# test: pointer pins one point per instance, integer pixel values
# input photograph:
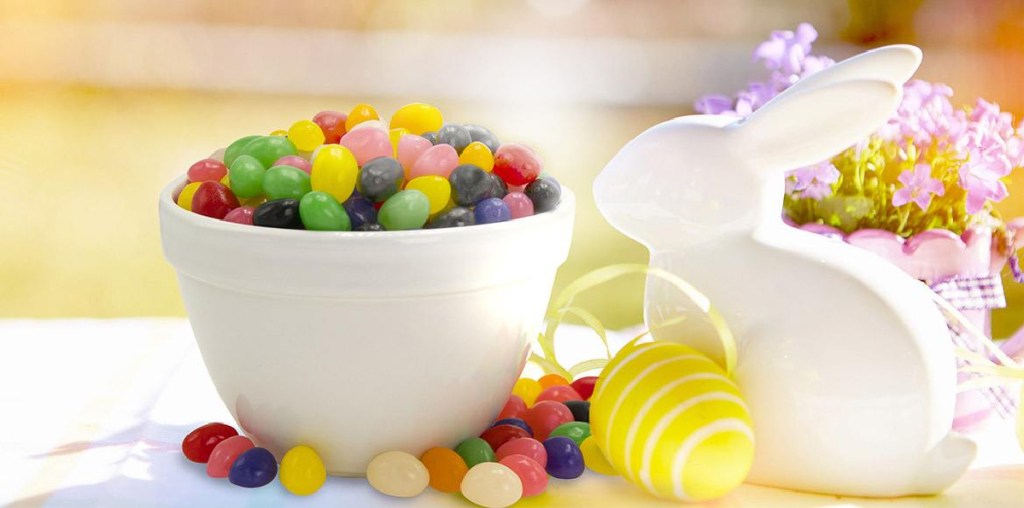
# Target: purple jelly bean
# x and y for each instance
(492, 210)
(255, 467)
(514, 421)
(565, 460)
(360, 210)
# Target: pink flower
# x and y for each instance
(918, 186)
(813, 182)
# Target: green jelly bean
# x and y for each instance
(577, 431)
(246, 176)
(475, 451)
(321, 212)
(286, 182)
(408, 209)
(268, 149)
(235, 149)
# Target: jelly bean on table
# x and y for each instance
(199, 444)
(254, 468)
(585, 386)
(527, 389)
(515, 407)
(525, 446)
(544, 416)
(501, 434)
(565, 460)
(397, 474)
(532, 475)
(580, 409)
(446, 469)
(549, 380)
(577, 431)
(302, 471)
(225, 454)
(559, 393)
(475, 451)
(492, 485)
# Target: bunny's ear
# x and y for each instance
(811, 125)
(896, 64)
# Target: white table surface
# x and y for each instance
(92, 413)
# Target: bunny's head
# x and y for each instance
(701, 176)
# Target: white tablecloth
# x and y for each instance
(93, 413)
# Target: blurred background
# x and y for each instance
(102, 102)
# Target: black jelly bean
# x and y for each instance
(545, 194)
(454, 218)
(279, 213)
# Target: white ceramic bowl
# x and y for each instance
(356, 343)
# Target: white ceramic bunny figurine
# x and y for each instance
(844, 360)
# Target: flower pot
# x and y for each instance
(356, 343)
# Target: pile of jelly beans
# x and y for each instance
(543, 431)
(342, 172)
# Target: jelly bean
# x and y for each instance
(373, 124)
(369, 226)
(246, 176)
(213, 199)
(225, 181)
(279, 132)
(482, 135)
(438, 160)
(408, 209)
(207, 169)
(436, 188)
(268, 149)
(518, 422)
(454, 218)
(321, 212)
(455, 135)
(360, 114)
(397, 474)
(474, 451)
(491, 210)
(594, 458)
(302, 471)
(360, 210)
(499, 189)
(515, 407)
(294, 161)
(518, 205)
(577, 431)
(470, 185)
(501, 434)
(549, 380)
(367, 144)
(585, 386)
(334, 171)
(199, 443)
(187, 193)
(430, 136)
(332, 123)
(545, 415)
(410, 148)
(446, 468)
(279, 213)
(559, 394)
(565, 460)
(545, 193)
(306, 135)
(527, 389)
(516, 164)
(580, 409)
(225, 454)
(492, 485)
(477, 154)
(286, 182)
(525, 446)
(235, 149)
(255, 467)
(380, 179)
(417, 118)
(240, 215)
(395, 135)
(530, 473)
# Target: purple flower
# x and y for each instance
(918, 186)
(813, 182)
(786, 50)
(713, 105)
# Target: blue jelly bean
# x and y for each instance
(254, 468)
(492, 210)
(565, 460)
(514, 421)
(360, 210)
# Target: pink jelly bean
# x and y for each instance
(410, 148)
(294, 161)
(367, 144)
(518, 204)
(524, 446)
(224, 455)
(533, 476)
(207, 169)
(240, 215)
(438, 160)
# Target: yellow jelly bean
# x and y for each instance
(334, 172)
(595, 459)
(306, 135)
(418, 118)
(360, 114)
(436, 188)
(527, 389)
(478, 154)
(395, 135)
(226, 181)
(185, 198)
(302, 472)
(279, 132)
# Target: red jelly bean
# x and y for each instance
(516, 164)
(214, 199)
(206, 170)
(545, 415)
(585, 386)
(559, 394)
(199, 443)
(501, 434)
(333, 125)
(224, 455)
(240, 215)
(524, 446)
(533, 476)
(514, 408)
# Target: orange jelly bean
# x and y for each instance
(446, 468)
(550, 380)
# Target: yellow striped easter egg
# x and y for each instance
(671, 421)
